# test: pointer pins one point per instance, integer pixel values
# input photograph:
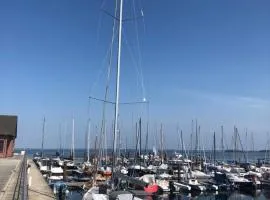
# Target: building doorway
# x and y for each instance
(2, 146)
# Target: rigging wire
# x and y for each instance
(133, 60)
(104, 66)
(142, 13)
(102, 130)
(139, 48)
(123, 103)
(100, 20)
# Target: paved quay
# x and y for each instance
(38, 188)
(9, 173)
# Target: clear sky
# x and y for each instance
(205, 60)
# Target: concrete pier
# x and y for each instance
(38, 188)
(9, 173)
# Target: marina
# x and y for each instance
(201, 187)
(78, 122)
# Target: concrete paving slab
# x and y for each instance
(9, 172)
(38, 187)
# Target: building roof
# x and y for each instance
(8, 125)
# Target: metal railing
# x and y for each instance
(21, 188)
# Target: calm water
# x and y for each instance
(227, 156)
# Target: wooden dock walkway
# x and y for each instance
(38, 187)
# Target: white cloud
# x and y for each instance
(241, 101)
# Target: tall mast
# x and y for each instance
(191, 138)
(199, 138)
(146, 139)
(222, 143)
(140, 135)
(119, 143)
(179, 138)
(65, 138)
(235, 143)
(117, 81)
(214, 148)
(88, 140)
(95, 158)
(242, 147)
(105, 144)
(126, 146)
(156, 138)
(253, 149)
(60, 140)
(137, 140)
(196, 138)
(73, 139)
(182, 143)
(246, 144)
(42, 142)
(161, 144)
(140, 131)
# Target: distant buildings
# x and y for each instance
(8, 133)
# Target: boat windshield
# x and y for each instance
(57, 174)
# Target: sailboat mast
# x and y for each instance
(126, 146)
(247, 144)
(196, 138)
(140, 135)
(117, 81)
(182, 143)
(235, 143)
(191, 138)
(161, 143)
(60, 140)
(146, 140)
(214, 148)
(73, 139)
(222, 143)
(43, 133)
(199, 139)
(179, 138)
(88, 140)
(105, 144)
(137, 136)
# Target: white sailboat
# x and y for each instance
(87, 163)
(93, 192)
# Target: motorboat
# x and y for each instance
(94, 193)
(195, 185)
(44, 165)
(241, 183)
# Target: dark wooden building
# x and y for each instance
(8, 133)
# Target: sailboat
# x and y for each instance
(69, 163)
(101, 192)
(42, 162)
(95, 192)
(87, 163)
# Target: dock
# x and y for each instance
(38, 188)
(18, 181)
(9, 175)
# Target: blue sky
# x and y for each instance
(205, 60)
